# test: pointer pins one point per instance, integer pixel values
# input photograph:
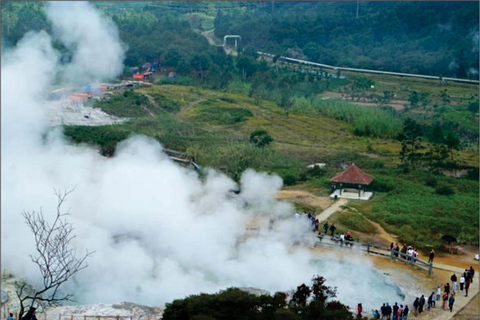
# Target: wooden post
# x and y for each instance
(71, 317)
(85, 317)
(118, 317)
(368, 247)
(430, 269)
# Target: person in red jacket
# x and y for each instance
(359, 309)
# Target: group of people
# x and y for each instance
(400, 312)
(388, 312)
(465, 280)
(409, 253)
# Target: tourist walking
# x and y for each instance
(405, 313)
(415, 305)
(451, 301)
(429, 301)
(404, 251)
(472, 273)
(431, 256)
(439, 292)
(445, 298)
(359, 309)
(10, 317)
(388, 310)
(410, 254)
(433, 299)
(454, 283)
(332, 229)
(395, 311)
(325, 227)
(462, 282)
(421, 303)
(447, 288)
(400, 312)
(467, 286)
(383, 310)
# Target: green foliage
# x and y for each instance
(165, 103)
(410, 139)
(308, 302)
(473, 106)
(444, 190)
(414, 211)
(363, 83)
(352, 220)
(106, 137)
(260, 138)
(130, 104)
(431, 182)
(366, 121)
(396, 36)
(222, 116)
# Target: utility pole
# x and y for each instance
(358, 3)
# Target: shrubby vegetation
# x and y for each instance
(370, 122)
(307, 302)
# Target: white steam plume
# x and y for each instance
(159, 232)
(93, 39)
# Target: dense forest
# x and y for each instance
(438, 38)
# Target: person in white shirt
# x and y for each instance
(342, 239)
(462, 282)
(410, 254)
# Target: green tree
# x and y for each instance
(260, 138)
(410, 139)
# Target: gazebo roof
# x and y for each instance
(353, 175)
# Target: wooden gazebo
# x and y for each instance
(351, 184)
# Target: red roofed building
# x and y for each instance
(352, 182)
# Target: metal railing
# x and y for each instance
(381, 251)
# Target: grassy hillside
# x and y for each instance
(215, 127)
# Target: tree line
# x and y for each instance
(437, 38)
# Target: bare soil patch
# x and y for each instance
(305, 197)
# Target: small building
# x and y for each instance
(143, 75)
(351, 184)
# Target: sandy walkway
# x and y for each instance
(332, 209)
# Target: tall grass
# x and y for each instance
(238, 86)
(367, 121)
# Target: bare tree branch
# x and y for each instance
(55, 258)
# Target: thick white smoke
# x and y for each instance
(93, 39)
(159, 232)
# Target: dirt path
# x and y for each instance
(210, 35)
(152, 101)
(332, 209)
(305, 198)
